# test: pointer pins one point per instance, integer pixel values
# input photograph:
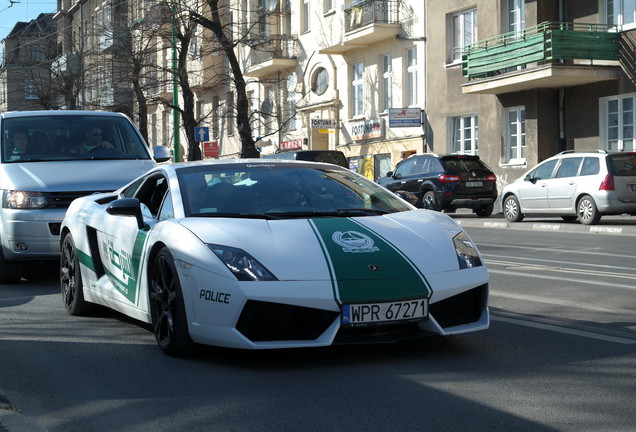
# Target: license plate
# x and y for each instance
(384, 313)
(474, 184)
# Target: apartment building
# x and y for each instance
(514, 81)
(25, 71)
(518, 81)
(93, 46)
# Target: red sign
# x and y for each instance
(293, 144)
(211, 149)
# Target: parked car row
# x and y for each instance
(573, 185)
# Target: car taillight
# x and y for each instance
(445, 178)
(491, 177)
(608, 183)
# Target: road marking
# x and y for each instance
(551, 262)
(581, 281)
(543, 268)
(554, 301)
(564, 330)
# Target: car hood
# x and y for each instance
(84, 175)
(309, 249)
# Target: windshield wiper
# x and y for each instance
(331, 213)
(236, 215)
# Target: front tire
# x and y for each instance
(71, 279)
(587, 211)
(512, 210)
(169, 320)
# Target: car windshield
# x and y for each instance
(282, 191)
(69, 137)
(464, 164)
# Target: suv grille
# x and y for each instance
(64, 199)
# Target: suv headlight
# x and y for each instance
(243, 265)
(467, 255)
(24, 200)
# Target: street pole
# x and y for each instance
(175, 89)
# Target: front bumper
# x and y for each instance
(31, 234)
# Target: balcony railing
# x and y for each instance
(547, 42)
(272, 47)
(371, 12)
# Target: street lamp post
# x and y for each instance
(175, 89)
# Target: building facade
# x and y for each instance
(519, 81)
(513, 81)
(25, 72)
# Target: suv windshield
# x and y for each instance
(56, 138)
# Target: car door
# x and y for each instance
(533, 191)
(123, 243)
(562, 188)
(398, 180)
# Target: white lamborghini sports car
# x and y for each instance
(270, 254)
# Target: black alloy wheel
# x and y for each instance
(429, 201)
(169, 321)
(71, 279)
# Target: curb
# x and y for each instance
(615, 225)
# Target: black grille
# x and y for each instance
(464, 308)
(63, 199)
(265, 321)
(379, 334)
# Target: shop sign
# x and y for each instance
(367, 129)
(291, 145)
(405, 117)
(323, 124)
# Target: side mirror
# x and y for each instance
(530, 179)
(389, 174)
(161, 153)
(126, 207)
(409, 197)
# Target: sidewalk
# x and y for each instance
(619, 225)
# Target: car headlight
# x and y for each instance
(24, 200)
(467, 255)
(244, 266)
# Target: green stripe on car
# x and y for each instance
(364, 266)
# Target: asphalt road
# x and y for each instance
(560, 356)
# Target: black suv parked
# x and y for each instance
(445, 182)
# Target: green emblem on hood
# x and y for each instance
(365, 267)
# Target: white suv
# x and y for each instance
(583, 185)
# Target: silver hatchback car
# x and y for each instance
(583, 185)
(49, 158)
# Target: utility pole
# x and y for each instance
(175, 89)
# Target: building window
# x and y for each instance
(515, 135)
(30, 90)
(464, 31)
(357, 90)
(621, 13)
(387, 82)
(320, 81)
(290, 102)
(305, 16)
(327, 6)
(618, 122)
(229, 113)
(516, 16)
(411, 77)
(464, 135)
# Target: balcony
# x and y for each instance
(549, 55)
(270, 54)
(111, 42)
(367, 23)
